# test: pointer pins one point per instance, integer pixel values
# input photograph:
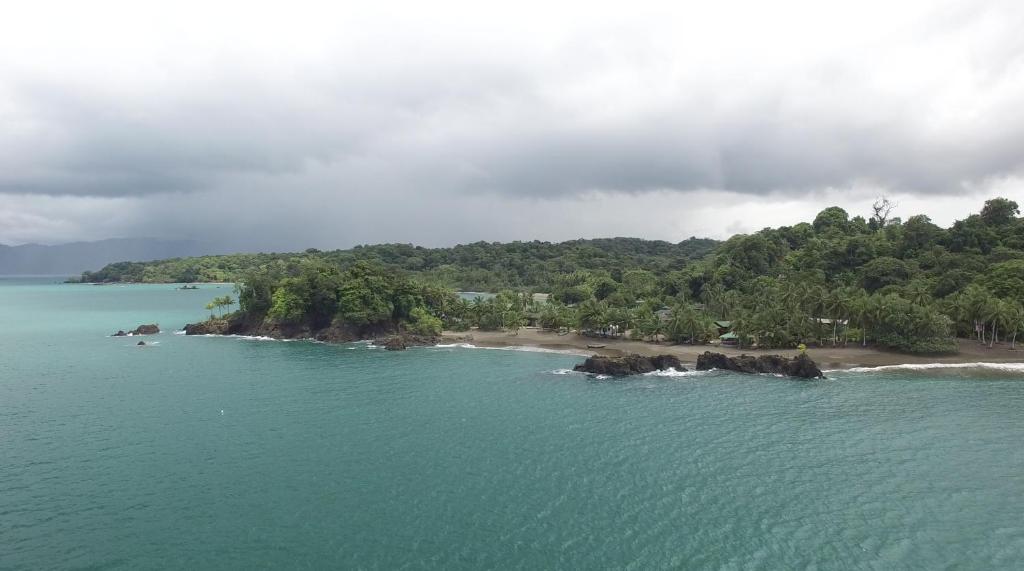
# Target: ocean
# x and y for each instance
(234, 453)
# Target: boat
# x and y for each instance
(596, 346)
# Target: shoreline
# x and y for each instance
(826, 357)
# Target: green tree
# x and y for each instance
(999, 211)
(423, 323)
(513, 321)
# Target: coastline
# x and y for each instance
(827, 357)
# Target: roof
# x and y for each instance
(827, 321)
(727, 336)
(723, 323)
(540, 297)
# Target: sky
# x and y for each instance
(286, 125)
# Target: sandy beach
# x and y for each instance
(826, 357)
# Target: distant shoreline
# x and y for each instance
(148, 283)
(827, 357)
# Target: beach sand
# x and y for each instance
(826, 357)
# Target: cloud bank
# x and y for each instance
(310, 123)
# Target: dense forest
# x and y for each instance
(321, 300)
(481, 266)
(909, 285)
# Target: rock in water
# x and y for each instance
(800, 366)
(146, 329)
(403, 341)
(395, 343)
(209, 327)
(141, 344)
(120, 333)
(628, 365)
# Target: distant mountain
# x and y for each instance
(73, 258)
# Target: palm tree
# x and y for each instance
(513, 320)
(978, 305)
(711, 294)
(838, 307)
(919, 294)
(858, 313)
(998, 312)
(1016, 322)
(650, 326)
(591, 315)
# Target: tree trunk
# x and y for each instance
(992, 341)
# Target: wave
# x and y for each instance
(1004, 367)
(521, 348)
(256, 338)
(665, 373)
(675, 373)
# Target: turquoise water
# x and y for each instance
(235, 454)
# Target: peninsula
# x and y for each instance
(852, 291)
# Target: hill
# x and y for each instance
(481, 266)
(76, 257)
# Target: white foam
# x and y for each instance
(180, 332)
(1006, 367)
(254, 338)
(670, 372)
(566, 372)
(521, 348)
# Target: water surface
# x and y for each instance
(233, 453)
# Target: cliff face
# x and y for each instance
(243, 325)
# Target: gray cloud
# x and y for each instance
(409, 115)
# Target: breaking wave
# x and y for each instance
(521, 348)
(675, 373)
(1003, 367)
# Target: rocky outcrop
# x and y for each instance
(237, 324)
(628, 365)
(144, 329)
(208, 327)
(800, 366)
(404, 341)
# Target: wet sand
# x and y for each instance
(826, 357)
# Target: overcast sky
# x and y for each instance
(297, 124)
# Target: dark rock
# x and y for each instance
(800, 366)
(404, 341)
(141, 343)
(395, 343)
(209, 327)
(146, 329)
(120, 333)
(628, 365)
